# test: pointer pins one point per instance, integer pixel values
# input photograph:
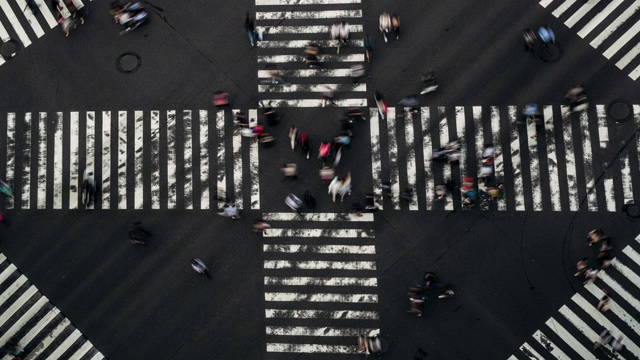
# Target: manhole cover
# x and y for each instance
(620, 111)
(128, 62)
(633, 210)
(9, 49)
(550, 52)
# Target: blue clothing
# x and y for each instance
(546, 34)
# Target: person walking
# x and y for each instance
(230, 210)
(594, 236)
(530, 40)
(367, 43)
(547, 35)
(345, 32)
(5, 189)
(345, 187)
(199, 266)
(395, 24)
(605, 302)
(250, 28)
(293, 202)
(581, 266)
(385, 25)
(293, 136)
(138, 234)
(261, 226)
(290, 171)
(303, 140)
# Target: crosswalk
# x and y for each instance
(17, 21)
(572, 333)
(288, 26)
(320, 284)
(611, 26)
(39, 327)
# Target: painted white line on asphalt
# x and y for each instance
(11, 156)
(516, 161)
(41, 167)
(627, 272)
(78, 354)
(376, 164)
(172, 157)
(320, 265)
(622, 40)
(393, 157)
(34, 331)
(301, 44)
(320, 281)
(65, 345)
(545, 3)
(311, 88)
(74, 136)
(188, 158)
(297, 15)
(49, 339)
(106, 160)
(443, 128)
(498, 162)
(582, 326)
(587, 159)
(44, 9)
(534, 166)
(26, 162)
(615, 24)
(562, 8)
(308, 29)
(603, 135)
(138, 191)
(221, 182)
(427, 153)
(97, 356)
(15, 23)
(476, 112)
(122, 160)
(333, 233)
(286, 59)
(7, 272)
(57, 161)
(626, 175)
(319, 249)
(620, 291)
(11, 289)
(316, 103)
(22, 321)
(315, 331)
(580, 13)
(321, 297)
(31, 19)
(237, 163)
(628, 57)
(528, 351)
(460, 128)
(629, 319)
(305, 2)
(550, 346)
(597, 20)
(366, 217)
(570, 159)
(635, 73)
(627, 184)
(311, 348)
(155, 159)
(265, 74)
(569, 339)
(90, 146)
(254, 165)
(552, 160)
(204, 159)
(320, 314)
(411, 157)
(25, 296)
(632, 254)
(512, 358)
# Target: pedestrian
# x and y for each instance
(428, 82)
(357, 72)
(604, 338)
(616, 344)
(270, 115)
(33, 6)
(335, 34)
(303, 140)
(328, 96)
(590, 275)
(345, 187)
(386, 189)
(594, 236)
(547, 35)
(66, 23)
(343, 139)
(395, 24)
(326, 174)
(138, 234)
(324, 151)
(606, 243)
(230, 210)
(385, 24)
(605, 302)
(76, 12)
(293, 136)
(410, 102)
(334, 187)
(345, 32)
(446, 294)
(200, 267)
(220, 99)
(581, 266)
(604, 259)
(290, 171)
(530, 40)
(309, 200)
(530, 111)
(250, 28)
(293, 202)
(367, 43)
(261, 226)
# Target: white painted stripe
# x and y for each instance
(320, 249)
(90, 144)
(75, 185)
(41, 167)
(204, 160)
(333, 233)
(569, 339)
(305, 2)
(50, 338)
(237, 164)
(321, 297)
(628, 57)
(599, 18)
(26, 162)
(265, 74)
(301, 44)
(479, 138)
(512, 358)
(311, 88)
(615, 24)
(11, 16)
(44, 9)
(624, 270)
(138, 169)
(320, 281)
(309, 29)
(550, 346)
(629, 319)
(635, 73)
(271, 59)
(376, 164)
(584, 9)
(570, 159)
(122, 160)
(427, 151)
(57, 161)
(316, 102)
(254, 165)
(366, 217)
(311, 348)
(17, 304)
(460, 127)
(534, 166)
(627, 184)
(530, 352)
(11, 289)
(82, 351)
(632, 254)
(444, 139)
(78, 4)
(188, 159)
(498, 162)
(42, 323)
(516, 161)
(622, 41)
(22, 321)
(603, 129)
(4, 275)
(392, 140)
(315, 331)
(609, 190)
(320, 265)
(97, 356)
(31, 19)
(320, 314)
(587, 159)
(609, 193)
(10, 168)
(582, 326)
(295, 15)
(63, 9)
(562, 8)
(622, 292)
(554, 182)
(65, 345)
(545, 3)
(172, 158)
(155, 159)
(221, 173)
(106, 159)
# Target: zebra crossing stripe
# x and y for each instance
(222, 182)
(615, 308)
(632, 254)
(106, 160)
(622, 40)
(552, 160)
(306, 2)
(50, 338)
(444, 139)
(311, 348)
(65, 345)
(311, 88)
(155, 159)
(587, 159)
(333, 233)
(82, 351)
(44, 9)
(498, 162)
(427, 153)
(598, 40)
(320, 249)
(306, 15)
(11, 16)
(460, 128)
(622, 292)
(300, 44)
(569, 339)
(283, 59)
(530, 352)
(31, 19)
(393, 158)
(171, 159)
(635, 73)
(550, 346)
(309, 29)
(366, 217)
(11, 157)
(90, 145)
(545, 3)
(596, 20)
(138, 134)
(320, 265)
(321, 314)
(376, 164)
(188, 159)
(44, 321)
(320, 281)
(204, 159)
(22, 321)
(122, 160)
(307, 73)
(57, 161)
(254, 167)
(11, 289)
(316, 103)
(26, 163)
(411, 156)
(534, 166)
(628, 57)
(515, 160)
(584, 9)
(17, 304)
(570, 159)
(627, 272)
(320, 297)
(579, 324)
(315, 331)
(562, 8)
(603, 133)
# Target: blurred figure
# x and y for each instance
(312, 51)
(250, 28)
(428, 82)
(324, 152)
(381, 103)
(230, 210)
(530, 112)
(411, 102)
(395, 24)
(343, 139)
(241, 120)
(293, 202)
(604, 338)
(530, 40)
(357, 72)
(547, 35)
(604, 259)
(270, 115)
(293, 136)
(326, 174)
(220, 99)
(591, 275)
(334, 187)
(3, 220)
(5, 189)
(290, 171)
(594, 236)
(345, 187)
(335, 34)
(328, 96)
(581, 267)
(577, 98)
(605, 302)
(345, 32)
(261, 226)
(303, 140)
(199, 267)
(368, 46)
(33, 6)
(385, 24)
(416, 300)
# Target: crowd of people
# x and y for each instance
(418, 293)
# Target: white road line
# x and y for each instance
(7, 272)
(629, 319)
(516, 155)
(534, 166)
(31, 19)
(314, 331)
(628, 57)
(271, 59)
(622, 40)
(376, 164)
(320, 281)
(11, 289)
(254, 166)
(545, 3)
(204, 159)
(66, 344)
(550, 346)
(41, 168)
(122, 159)
(308, 29)
(569, 339)
(155, 159)
(393, 157)
(333, 233)
(316, 102)
(311, 348)
(82, 351)
(24, 318)
(587, 159)
(26, 162)
(265, 74)
(444, 139)
(57, 161)
(319, 249)
(44, 9)
(50, 338)
(172, 157)
(311, 88)
(582, 326)
(427, 150)
(460, 128)
(237, 164)
(570, 159)
(297, 15)
(220, 157)
(320, 265)
(626, 271)
(632, 254)
(554, 182)
(620, 291)
(90, 144)
(305, 2)
(603, 134)
(42, 323)
(562, 8)
(635, 73)
(597, 20)
(301, 44)
(320, 314)
(11, 16)
(106, 159)
(138, 138)
(188, 159)
(627, 183)
(11, 156)
(321, 297)
(580, 13)
(499, 157)
(25, 296)
(615, 24)
(530, 352)
(97, 356)
(74, 180)
(366, 217)
(476, 112)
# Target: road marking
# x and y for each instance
(411, 158)
(582, 326)
(90, 147)
(304, 15)
(534, 166)
(376, 164)
(220, 154)
(498, 162)
(393, 157)
(311, 348)
(320, 265)
(305, 2)
(44, 9)
(122, 160)
(320, 314)
(262, 74)
(562, 8)
(615, 308)
(75, 186)
(316, 102)
(460, 128)
(285, 59)
(569, 339)
(615, 25)
(332, 233)
(204, 159)
(171, 160)
(44, 321)
(31, 19)
(301, 44)
(545, 3)
(550, 346)
(237, 164)
(11, 16)
(515, 160)
(444, 140)
(628, 273)
(476, 112)
(315, 331)
(320, 281)
(320, 249)
(17, 304)
(155, 159)
(274, 216)
(427, 153)
(11, 156)
(587, 159)
(138, 134)
(570, 159)
(254, 165)
(23, 320)
(622, 40)
(554, 182)
(596, 20)
(632, 254)
(603, 134)
(530, 352)
(311, 88)
(188, 159)
(106, 160)
(49, 339)
(321, 297)
(11, 289)
(57, 161)
(628, 57)
(26, 162)
(309, 29)
(580, 13)
(622, 292)
(82, 351)
(65, 345)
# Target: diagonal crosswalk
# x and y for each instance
(28, 317)
(573, 332)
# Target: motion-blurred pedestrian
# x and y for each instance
(345, 32)
(395, 24)
(594, 236)
(293, 202)
(529, 40)
(290, 171)
(357, 72)
(590, 275)
(303, 140)
(605, 302)
(385, 24)
(261, 226)
(547, 35)
(250, 28)
(199, 266)
(230, 210)
(367, 43)
(581, 266)
(345, 187)
(293, 136)
(220, 99)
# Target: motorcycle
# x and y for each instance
(131, 15)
